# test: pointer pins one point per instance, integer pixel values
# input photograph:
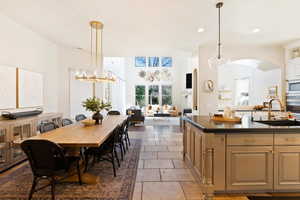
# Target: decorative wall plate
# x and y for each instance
(209, 86)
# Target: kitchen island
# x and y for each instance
(239, 158)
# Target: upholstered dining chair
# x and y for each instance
(47, 161)
(113, 112)
(80, 117)
(47, 126)
(66, 122)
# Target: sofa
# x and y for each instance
(150, 110)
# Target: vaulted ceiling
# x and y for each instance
(133, 27)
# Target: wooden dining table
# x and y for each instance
(79, 135)
(76, 136)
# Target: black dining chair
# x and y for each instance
(106, 152)
(66, 122)
(80, 117)
(127, 140)
(47, 126)
(113, 112)
(120, 142)
(47, 161)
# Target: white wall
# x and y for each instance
(182, 64)
(23, 48)
(71, 59)
(260, 81)
(207, 102)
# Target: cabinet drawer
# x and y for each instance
(287, 139)
(250, 139)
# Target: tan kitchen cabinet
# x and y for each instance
(199, 152)
(219, 162)
(287, 168)
(190, 143)
(249, 168)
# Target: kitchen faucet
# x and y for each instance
(270, 107)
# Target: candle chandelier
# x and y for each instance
(95, 73)
(218, 60)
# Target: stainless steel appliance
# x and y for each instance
(293, 86)
(293, 103)
(293, 97)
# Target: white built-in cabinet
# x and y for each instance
(293, 69)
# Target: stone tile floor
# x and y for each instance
(162, 175)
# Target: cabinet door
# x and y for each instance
(15, 152)
(190, 143)
(290, 71)
(287, 168)
(297, 69)
(219, 162)
(249, 168)
(4, 159)
(199, 152)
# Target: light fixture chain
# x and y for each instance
(219, 44)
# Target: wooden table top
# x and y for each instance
(78, 135)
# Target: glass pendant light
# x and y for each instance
(218, 60)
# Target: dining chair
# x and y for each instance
(47, 161)
(127, 140)
(47, 126)
(120, 143)
(106, 152)
(113, 112)
(66, 122)
(80, 117)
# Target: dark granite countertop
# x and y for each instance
(207, 125)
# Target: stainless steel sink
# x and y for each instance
(280, 122)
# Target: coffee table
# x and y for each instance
(162, 115)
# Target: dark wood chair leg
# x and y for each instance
(113, 163)
(32, 188)
(78, 172)
(53, 188)
(117, 158)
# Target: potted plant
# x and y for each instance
(96, 105)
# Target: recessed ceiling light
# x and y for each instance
(256, 30)
(201, 30)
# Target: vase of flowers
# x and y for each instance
(96, 105)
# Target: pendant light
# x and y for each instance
(218, 60)
(96, 73)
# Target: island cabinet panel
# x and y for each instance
(219, 162)
(287, 168)
(249, 168)
(189, 143)
(250, 139)
(199, 152)
(287, 139)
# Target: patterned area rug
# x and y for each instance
(16, 185)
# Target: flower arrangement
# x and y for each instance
(96, 105)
